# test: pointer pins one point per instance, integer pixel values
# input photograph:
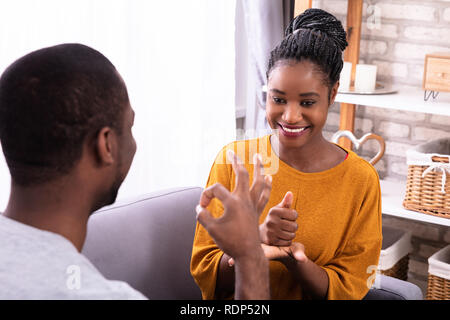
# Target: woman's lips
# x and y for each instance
(293, 131)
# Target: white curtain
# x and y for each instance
(177, 59)
(265, 21)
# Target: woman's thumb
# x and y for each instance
(287, 200)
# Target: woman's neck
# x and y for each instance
(315, 156)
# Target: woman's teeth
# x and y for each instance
(294, 130)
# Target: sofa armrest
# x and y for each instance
(390, 288)
(147, 242)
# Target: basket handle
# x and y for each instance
(440, 159)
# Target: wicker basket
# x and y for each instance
(394, 256)
(439, 275)
(428, 181)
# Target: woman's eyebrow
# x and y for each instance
(307, 94)
(277, 91)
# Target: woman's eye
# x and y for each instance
(307, 103)
(278, 100)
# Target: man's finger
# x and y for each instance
(265, 194)
(204, 217)
(241, 173)
(215, 191)
(258, 178)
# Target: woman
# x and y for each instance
(321, 227)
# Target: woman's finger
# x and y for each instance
(289, 226)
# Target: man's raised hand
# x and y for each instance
(236, 232)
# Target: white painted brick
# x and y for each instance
(440, 119)
(391, 69)
(417, 267)
(335, 7)
(417, 228)
(427, 33)
(327, 135)
(425, 134)
(416, 72)
(400, 168)
(384, 30)
(363, 124)
(404, 50)
(394, 114)
(426, 250)
(407, 11)
(392, 129)
(374, 47)
(380, 166)
(446, 15)
(371, 146)
(333, 119)
(397, 148)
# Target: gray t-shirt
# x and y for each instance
(37, 264)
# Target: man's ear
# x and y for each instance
(106, 146)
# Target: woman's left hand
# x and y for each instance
(292, 253)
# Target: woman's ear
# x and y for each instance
(333, 93)
(105, 145)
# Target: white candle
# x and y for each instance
(345, 77)
(365, 77)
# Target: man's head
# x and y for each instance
(56, 101)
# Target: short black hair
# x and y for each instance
(317, 36)
(51, 101)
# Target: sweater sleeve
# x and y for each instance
(206, 254)
(351, 270)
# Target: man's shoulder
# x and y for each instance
(37, 264)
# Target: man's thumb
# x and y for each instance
(287, 200)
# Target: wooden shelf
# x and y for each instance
(392, 194)
(405, 99)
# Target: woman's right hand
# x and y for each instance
(279, 227)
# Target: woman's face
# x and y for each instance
(297, 103)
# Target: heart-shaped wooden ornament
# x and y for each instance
(359, 142)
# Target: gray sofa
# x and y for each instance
(147, 242)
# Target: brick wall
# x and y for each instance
(408, 30)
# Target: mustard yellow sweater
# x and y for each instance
(339, 221)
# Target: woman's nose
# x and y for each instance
(292, 113)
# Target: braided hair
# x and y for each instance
(317, 36)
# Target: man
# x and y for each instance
(65, 130)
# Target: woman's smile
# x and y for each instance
(291, 131)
